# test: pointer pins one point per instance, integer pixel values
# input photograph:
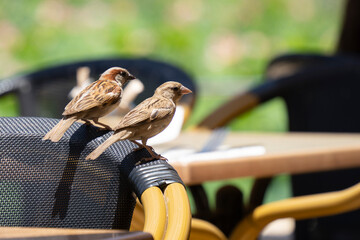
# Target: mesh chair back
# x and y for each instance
(44, 93)
(46, 184)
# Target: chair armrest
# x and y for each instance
(179, 214)
(229, 110)
(10, 85)
(279, 86)
(317, 205)
(163, 196)
(155, 212)
(203, 230)
(67, 233)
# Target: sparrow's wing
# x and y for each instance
(151, 109)
(101, 92)
(159, 113)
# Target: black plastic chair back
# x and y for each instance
(322, 96)
(44, 93)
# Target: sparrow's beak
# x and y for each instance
(185, 90)
(131, 77)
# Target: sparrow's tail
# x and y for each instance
(117, 136)
(56, 133)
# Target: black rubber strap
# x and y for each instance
(156, 173)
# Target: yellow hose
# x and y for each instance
(179, 214)
(155, 212)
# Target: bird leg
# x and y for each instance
(153, 155)
(106, 127)
(139, 144)
(87, 122)
(149, 149)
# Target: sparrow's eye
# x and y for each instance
(123, 74)
(175, 89)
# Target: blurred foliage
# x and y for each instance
(222, 44)
(204, 37)
(212, 40)
(9, 106)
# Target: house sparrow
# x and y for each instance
(147, 119)
(93, 102)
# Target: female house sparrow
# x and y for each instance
(147, 119)
(93, 102)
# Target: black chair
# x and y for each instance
(325, 100)
(320, 93)
(44, 93)
(46, 184)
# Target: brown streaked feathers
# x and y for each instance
(93, 102)
(90, 97)
(147, 119)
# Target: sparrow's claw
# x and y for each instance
(137, 149)
(144, 160)
(108, 128)
(139, 162)
(103, 126)
(163, 158)
(87, 123)
(100, 129)
(154, 157)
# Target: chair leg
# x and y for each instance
(257, 193)
(229, 208)
(201, 202)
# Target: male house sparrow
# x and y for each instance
(93, 102)
(147, 119)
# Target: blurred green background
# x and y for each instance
(224, 45)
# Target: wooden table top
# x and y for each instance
(282, 153)
(63, 233)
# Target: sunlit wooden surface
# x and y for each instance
(284, 153)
